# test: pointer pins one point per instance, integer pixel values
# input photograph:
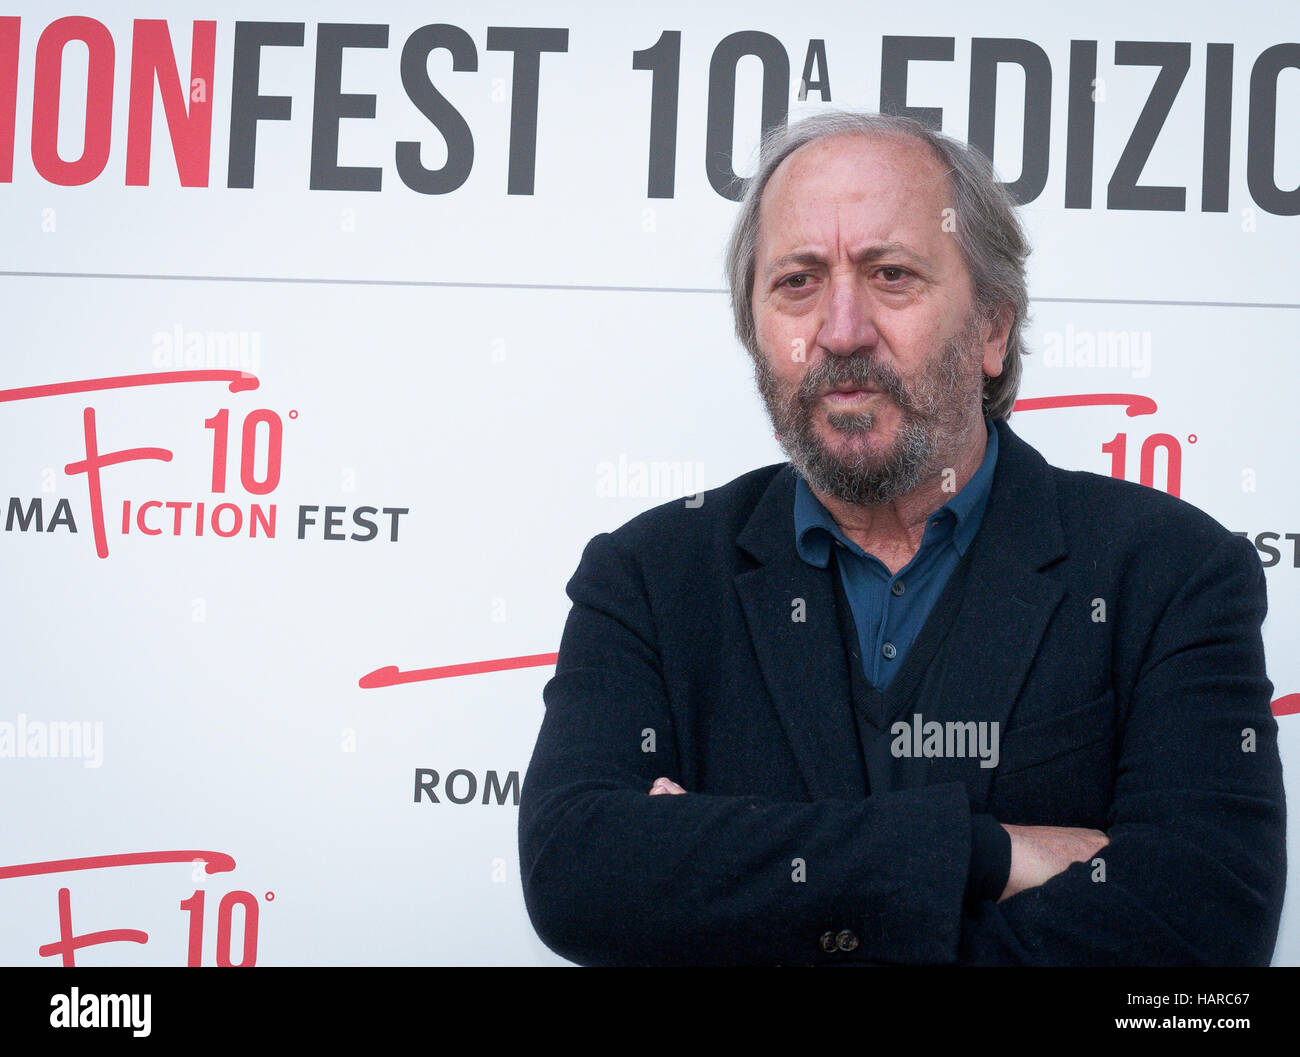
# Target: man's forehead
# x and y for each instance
(887, 178)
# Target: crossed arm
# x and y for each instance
(1038, 853)
(1194, 846)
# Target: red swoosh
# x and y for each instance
(392, 676)
(239, 382)
(1133, 403)
(1287, 705)
(214, 862)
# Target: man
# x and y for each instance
(916, 697)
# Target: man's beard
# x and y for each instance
(935, 416)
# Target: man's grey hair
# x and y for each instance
(989, 236)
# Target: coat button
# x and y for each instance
(889, 650)
(829, 943)
(897, 588)
(846, 941)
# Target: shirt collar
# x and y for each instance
(959, 519)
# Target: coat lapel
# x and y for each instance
(1006, 607)
(802, 660)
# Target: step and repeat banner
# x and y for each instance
(333, 332)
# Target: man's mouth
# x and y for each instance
(850, 394)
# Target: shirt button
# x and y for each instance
(828, 942)
(846, 941)
(889, 650)
(898, 587)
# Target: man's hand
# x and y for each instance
(665, 785)
(1039, 853)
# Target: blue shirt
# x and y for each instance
(890, 610)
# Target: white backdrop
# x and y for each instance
(507, 374)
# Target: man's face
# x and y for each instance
(871, 354)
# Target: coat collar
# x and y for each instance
(1001, 620)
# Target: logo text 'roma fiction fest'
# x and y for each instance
(532, 55)
(252, 452)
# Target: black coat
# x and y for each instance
(681, 640)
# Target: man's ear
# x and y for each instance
(996, 332)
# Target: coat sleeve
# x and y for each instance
(1195, 871)
(612, 875)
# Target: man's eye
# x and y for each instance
(796, 282)
(892, 275)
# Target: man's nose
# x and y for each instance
(848, 326)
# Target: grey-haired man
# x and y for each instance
(763, 742)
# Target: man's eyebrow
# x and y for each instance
(803, 258)
(874, 252)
